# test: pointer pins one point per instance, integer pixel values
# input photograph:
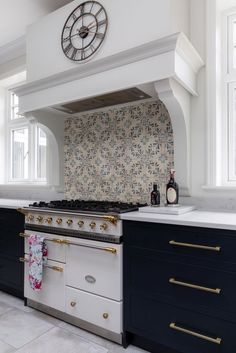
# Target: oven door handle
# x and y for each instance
(54, 240)
(67, 242)
(107, 249)
(54, 268)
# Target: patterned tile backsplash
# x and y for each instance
(118, 154)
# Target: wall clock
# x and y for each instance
(84, 31)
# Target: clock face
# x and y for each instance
(84, 31)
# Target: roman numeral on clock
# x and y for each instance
(100, 10)
(81, 9)
(99, 35)
(101, 23)
(82, 54)
(68, 48)
(73, 55)
(66, 39)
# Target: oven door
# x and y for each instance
(52, 292)
(95, 267)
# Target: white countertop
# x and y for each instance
(207, 219)
(10, 203)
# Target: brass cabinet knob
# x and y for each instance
(39, 218)
(80, 223)
(73, 304)
(105, 316)
(104, 226)
(59, 220)
(48, 220)
(69, 222)
(92, 225)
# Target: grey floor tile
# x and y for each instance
(18, 327)
(5, 348)
(13, 301)
(4, 307)
(61, 341)
(111, 346)
(33, 331)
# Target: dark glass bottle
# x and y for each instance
(172, 190)
(155, 196)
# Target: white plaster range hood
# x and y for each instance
(166, 68)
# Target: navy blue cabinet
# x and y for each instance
(179, 288)
(11, 249)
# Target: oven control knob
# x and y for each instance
(92, 225)
(105, 316)
(80, 223)
(59, 220)
(48, 220)
(30, 217)
(103, 226)
(69, 222)
(39, 218)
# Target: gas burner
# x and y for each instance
(89, 206)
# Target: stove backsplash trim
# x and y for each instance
(117, 155)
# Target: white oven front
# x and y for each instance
(81, 271)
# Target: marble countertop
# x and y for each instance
(206, 219)
(11, 203)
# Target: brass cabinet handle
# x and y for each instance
(194, 286)
(195, 246)
(195, 334)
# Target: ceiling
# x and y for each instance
(16, 15)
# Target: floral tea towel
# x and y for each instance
(38, 253)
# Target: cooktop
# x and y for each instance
(89, 206)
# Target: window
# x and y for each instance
(14, 107)
(27, 147)
(20, 153)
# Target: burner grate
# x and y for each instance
(89, 206)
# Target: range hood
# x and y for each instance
(165, 68)
(124, 96)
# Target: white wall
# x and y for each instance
(15, 15)
(131, 23)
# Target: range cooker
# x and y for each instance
(95, 220)
(83, 277)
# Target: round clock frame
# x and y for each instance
(84, 31)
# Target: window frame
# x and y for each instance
(217, 123)
(228, 113)
(32, 126)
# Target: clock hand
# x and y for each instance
(95, 24)
(90, 24)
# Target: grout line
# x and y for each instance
(24, 345)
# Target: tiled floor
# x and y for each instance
(25, 330)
